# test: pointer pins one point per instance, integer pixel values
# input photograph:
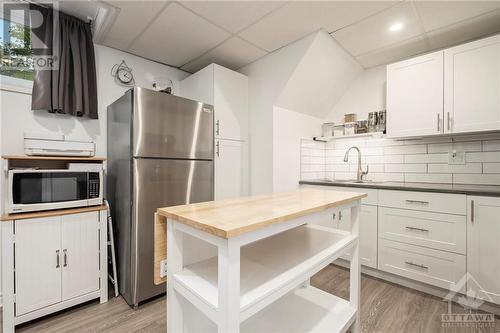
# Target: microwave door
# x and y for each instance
(44, 190)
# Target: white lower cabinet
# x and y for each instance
(483, 248)
(80, 254)
(367, 233)
(38, 265)
(439, 268)
(50, 263)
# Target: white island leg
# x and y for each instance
(175, 321)
(355, 270)
(229, 287)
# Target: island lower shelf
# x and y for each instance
(306, 309)
(267, 266)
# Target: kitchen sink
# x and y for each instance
(350, 181)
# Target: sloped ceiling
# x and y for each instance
(321, 77)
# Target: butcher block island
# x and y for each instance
(244, 264)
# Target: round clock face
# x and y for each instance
(124, 76)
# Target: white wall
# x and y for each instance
(266, 79)
(307, 76)
(289, 128)
(18, 118)
(365, 94)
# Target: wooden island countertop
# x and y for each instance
(233, 217)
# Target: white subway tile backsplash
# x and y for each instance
(426, 158)
(492, 156)
(428, 178)
(493, 145)
(455, 168)
(410, 168)
(458, 146)
(491, 167)
(420, 160)
(482, 179)
(410, 149)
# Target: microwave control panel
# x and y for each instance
(94, 180)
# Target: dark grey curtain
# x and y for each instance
(68, 85)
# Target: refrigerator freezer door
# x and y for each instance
(161, 183)
(168, 126)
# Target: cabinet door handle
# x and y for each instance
(57, 259)
(217, 127)
(217, 150)
(472, 211)
(416, 265)
(439, 123)
(448, 121)
(65, 258)
(417, 229)
(340, 215)
(417, 202)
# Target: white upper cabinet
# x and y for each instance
(227, 91)
(415, 96)
(472, 86)
(452, 91)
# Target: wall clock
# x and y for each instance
(123, 74)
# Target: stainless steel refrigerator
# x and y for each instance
(160, 153)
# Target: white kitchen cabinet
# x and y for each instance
(80, 254)
(38, 263)
(483, 248)
(415, 96)
(51, 261)
(227, 91)
(367, 233)
(472, 86)
(229, 169)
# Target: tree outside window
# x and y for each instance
(15, 47)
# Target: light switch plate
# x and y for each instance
(456, 157)
(163, 268)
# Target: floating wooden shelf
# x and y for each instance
(55, 212)
(330, 138)
(53, 158)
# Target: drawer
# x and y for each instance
(326, 218)
(434, 230)
(425, 201)
(370, 199)
(438, 268)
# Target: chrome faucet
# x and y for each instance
(361, 173)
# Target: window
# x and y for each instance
(16, 54)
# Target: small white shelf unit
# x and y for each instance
(269, 280)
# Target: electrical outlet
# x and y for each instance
(456, 157)
(163, 268)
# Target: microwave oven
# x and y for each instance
(32, 190)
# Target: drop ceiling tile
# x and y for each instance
(437, 14)
(233, 53)
(177, 36)
(81, 9)
(465, 30)
(373, 33)
(395, 52)
(127, 26)
(296, 19)
(232, 15)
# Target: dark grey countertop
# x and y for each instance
(483, 190)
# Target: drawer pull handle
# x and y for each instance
(416, 265)
(417, 229)
(420, 202)
(57, 259)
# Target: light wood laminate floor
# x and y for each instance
(386, 308)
